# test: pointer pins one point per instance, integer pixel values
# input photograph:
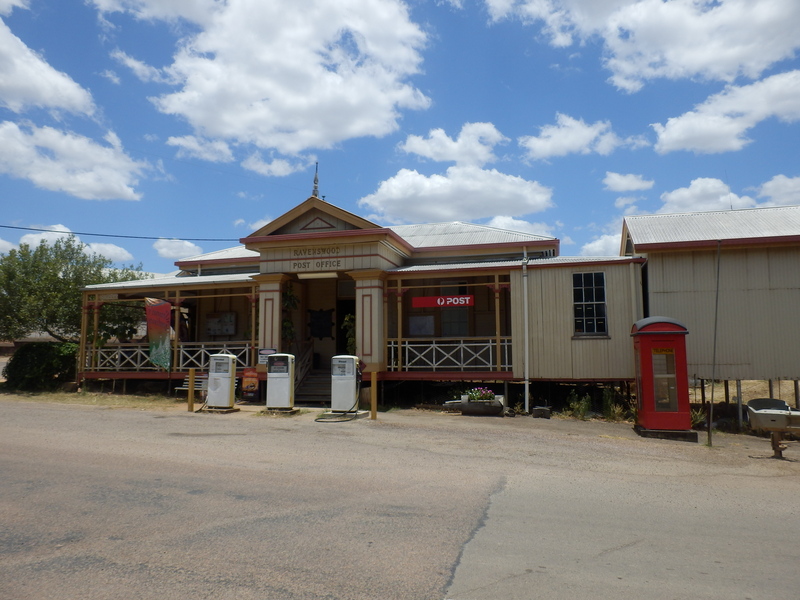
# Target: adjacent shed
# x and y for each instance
(748, 259)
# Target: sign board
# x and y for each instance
(221, 323)
(263, 353)
(250, 383)
(442, 301)
(317, 258)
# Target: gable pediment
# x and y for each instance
(314, 216)
(316, 221)
(318, 224)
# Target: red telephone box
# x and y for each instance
(662, 383)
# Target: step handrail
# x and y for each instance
(302, 363)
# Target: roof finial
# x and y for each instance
(315, 191)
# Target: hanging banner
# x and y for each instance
(159, 315)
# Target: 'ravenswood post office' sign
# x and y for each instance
(317, 258)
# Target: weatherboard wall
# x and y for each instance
(555, 351)
(329, 256)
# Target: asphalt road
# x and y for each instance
(128, 504)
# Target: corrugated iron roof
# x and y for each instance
(237, 252)
(458, 233)
(511, 264)
(577, 260)
(744, 224)
(175, 281)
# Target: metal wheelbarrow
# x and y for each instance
(776, 417)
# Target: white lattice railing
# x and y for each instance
(196, 354)
(450, 354)
(136, 357)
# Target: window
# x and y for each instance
(455, 321)
(589, 302)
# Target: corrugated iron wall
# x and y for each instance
(758, 333)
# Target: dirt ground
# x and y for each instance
(104, 496)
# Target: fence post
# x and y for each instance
(373, 393)
(190, 392)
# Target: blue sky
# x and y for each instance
(187, 121)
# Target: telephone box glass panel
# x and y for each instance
(664, 382)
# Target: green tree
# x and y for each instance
(40, 291)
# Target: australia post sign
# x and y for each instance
(442, 301)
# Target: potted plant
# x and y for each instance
(479, 394)
(480, 401)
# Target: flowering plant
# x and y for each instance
(480, 393)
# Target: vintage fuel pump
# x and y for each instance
(280, 381)
(662, 383)
(221, 381)
(345, 383)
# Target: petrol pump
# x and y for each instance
(662, 382)
(345, 383)
(221, 381)
(280, 381)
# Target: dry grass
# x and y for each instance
(96, 399)
(782, 390)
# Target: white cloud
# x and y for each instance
(720, 123)
(512, 224)
(649, 39)
(6, 246)
(196, 11)
(499, 9)
(141, 70)
(781, 190)
(27, 80)
(617, 182)
(255, 225)
(111, 76)
(463, 193)
(112, 252)
(210, 150)
(699, 38)
(473, 147)
(52, 233)
(289, 76)
(7, 5)
(628, 203)
(571, 136)
(604, 245)
(66, 162)
(176, 249)
(703, 194)
(277, 167)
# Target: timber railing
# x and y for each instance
(136, 356)
(450, 354)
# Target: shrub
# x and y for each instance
(612, 410)
(41, 366)
(578, 407)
